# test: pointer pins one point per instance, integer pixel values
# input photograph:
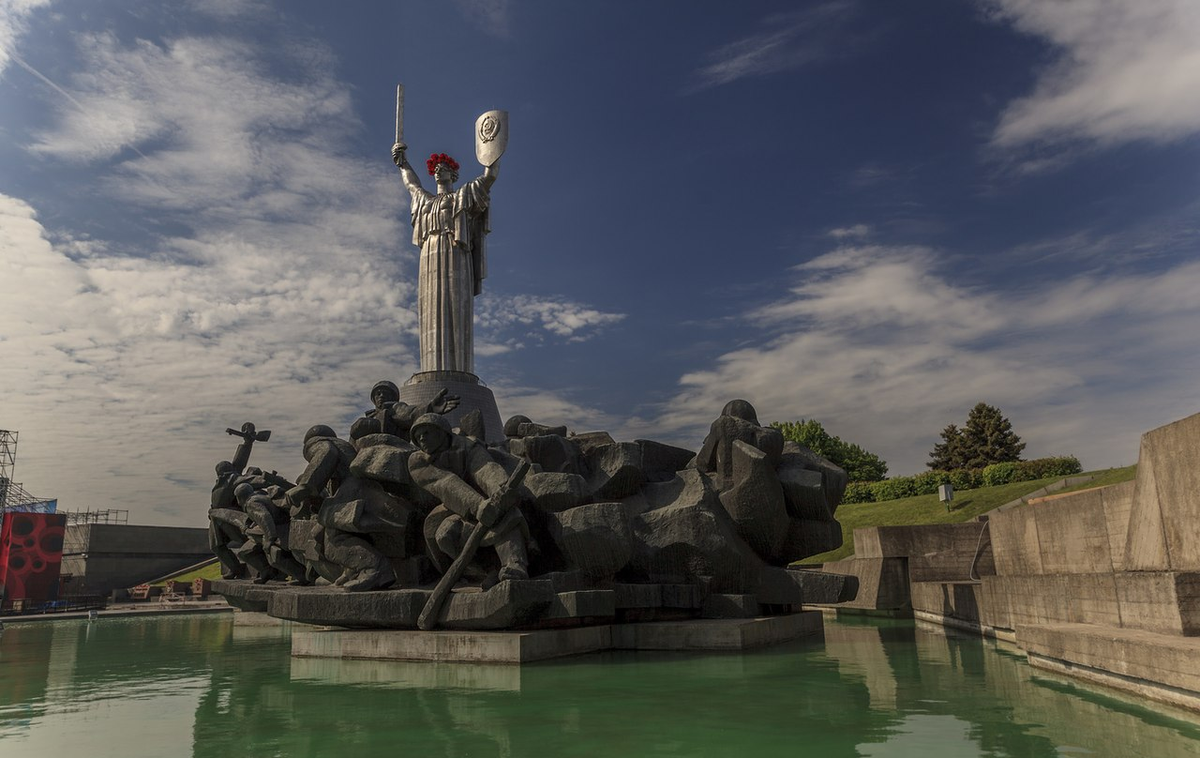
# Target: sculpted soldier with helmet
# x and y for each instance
(464, 477)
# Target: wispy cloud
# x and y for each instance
(884, 345)
(14, 15)
(1126, 71)
(843, 232)
(490, 16)
(787, 41)
(531, 316)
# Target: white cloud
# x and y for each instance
(558, 316)
(13, 22)
(858, 230)
(129, 369)
(788, 41)
(883, 348)
(1127, 71)
(286, 297)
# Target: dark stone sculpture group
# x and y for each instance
(548, 528)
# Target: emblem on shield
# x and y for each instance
(491, 136)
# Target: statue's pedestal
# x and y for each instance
(473, 395)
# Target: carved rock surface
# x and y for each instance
(552, 492)
(384, 463)
(755, 501)
(803, 491)
(595, 539)
(616, 470)
(807, 537)
(834, 477)
(660, 462)
(693, 540)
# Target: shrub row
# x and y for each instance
(961, 479)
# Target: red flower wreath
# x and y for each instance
(437, 158)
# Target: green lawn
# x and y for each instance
(925, 509)
(210, 570)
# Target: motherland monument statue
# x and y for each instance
(431, 514)
(450, 228)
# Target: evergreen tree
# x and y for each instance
(949, 454)
(860, 465)
(987, 438)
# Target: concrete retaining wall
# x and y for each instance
(1164, 519)
(104, 557)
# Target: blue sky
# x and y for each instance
(871, 214)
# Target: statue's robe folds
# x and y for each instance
(450, 229)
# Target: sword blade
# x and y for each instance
(399, 112)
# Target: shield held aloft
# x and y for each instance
(491, 136)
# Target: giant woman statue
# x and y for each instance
(449, 227)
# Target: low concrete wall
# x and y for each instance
(935, 552)
(882, 582)
(104, 557)
(1078, 533)
(947, 602)
(1164, 519)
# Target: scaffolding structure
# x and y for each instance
(107, 516)
(13, 496)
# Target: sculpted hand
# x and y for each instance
(443, 403)
(489, 512)
(398, 156)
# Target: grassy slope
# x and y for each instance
(207, 571)
(925, 509)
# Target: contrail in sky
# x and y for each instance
(45, 80)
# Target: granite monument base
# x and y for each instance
(472, 394)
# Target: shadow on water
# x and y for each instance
(203, 687)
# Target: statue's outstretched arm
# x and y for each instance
(490, 173)
(411, 180)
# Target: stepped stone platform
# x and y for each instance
(516, 647)
(1160, 667)
(557, 602)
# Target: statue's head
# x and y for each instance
(431, 432)
(384, 392)
(442, 167)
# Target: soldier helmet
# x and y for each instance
(320, 430)
(740, 409)
(512, 427)
(243, 491)
(430, 419)
(389, 386)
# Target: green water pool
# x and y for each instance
(201, 686)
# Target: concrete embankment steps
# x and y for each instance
(1102, 584)
(1161, 667)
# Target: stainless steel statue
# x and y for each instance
(450, 227)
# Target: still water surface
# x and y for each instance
(199, 686)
